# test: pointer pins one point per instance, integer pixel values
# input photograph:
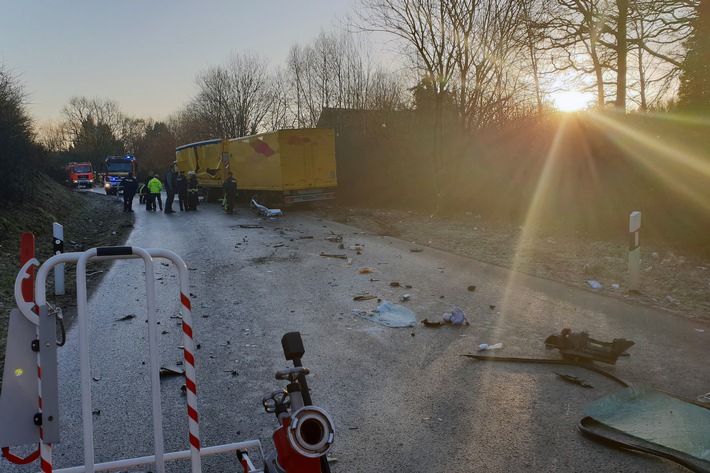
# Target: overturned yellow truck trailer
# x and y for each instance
(284, 166)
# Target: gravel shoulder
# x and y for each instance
(671, 278)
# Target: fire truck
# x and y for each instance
(79, 174)
(115, 169)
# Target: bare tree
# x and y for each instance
(53, 137)
(233, 100)
(385, 91)
(575, 33)
(597, 36)
(133, 131)
(279, 116)
(80, 110)
(187, 126)
(252, 91)
(335, 71)
(658, 29)
(532, 38)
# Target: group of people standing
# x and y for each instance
(175, 183)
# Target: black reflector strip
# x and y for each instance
(114, 251)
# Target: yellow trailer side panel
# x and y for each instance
(285, 160)
(307, 158)
(256, 162)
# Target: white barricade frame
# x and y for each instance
(37, 313)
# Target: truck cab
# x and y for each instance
(116, 168)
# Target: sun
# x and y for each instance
(570, 100)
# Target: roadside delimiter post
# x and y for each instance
(58, 232)
(634, 250)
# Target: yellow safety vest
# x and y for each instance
(155, 186)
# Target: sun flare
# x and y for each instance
(570, 101)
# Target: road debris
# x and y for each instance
(364, 298)
(456, 317)
(266, 212)
(126, 317)
(250, 225)
(574, 380)
(427, 323)
(330, 255)
(641, 418)
(487, 347)
(334, 238)
(389, 315)
(366, 271)
(471, 288)
(172, 370)
(594, 284)
(580, 345)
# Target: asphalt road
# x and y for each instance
(402, 399)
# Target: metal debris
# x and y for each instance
(329, 255)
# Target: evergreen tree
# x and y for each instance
(694, 92)
(94, 142)
(18, 153)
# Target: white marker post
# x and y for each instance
(634, 250)
(58, 232)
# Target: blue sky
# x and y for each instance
(144, 54)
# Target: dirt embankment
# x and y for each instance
(89, 220)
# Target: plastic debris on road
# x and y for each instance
(594, 284)
(456, 317)
(265, 211)
(390, 315)
(485, 346)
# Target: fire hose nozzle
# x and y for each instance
(311, 432)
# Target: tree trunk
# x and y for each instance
(621, 51)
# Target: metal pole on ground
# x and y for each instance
(634, 250)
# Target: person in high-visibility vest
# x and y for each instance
(154, 187)
(142, 192)
(192, 197)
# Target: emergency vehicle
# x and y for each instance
(116, 168)
(79, 174)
